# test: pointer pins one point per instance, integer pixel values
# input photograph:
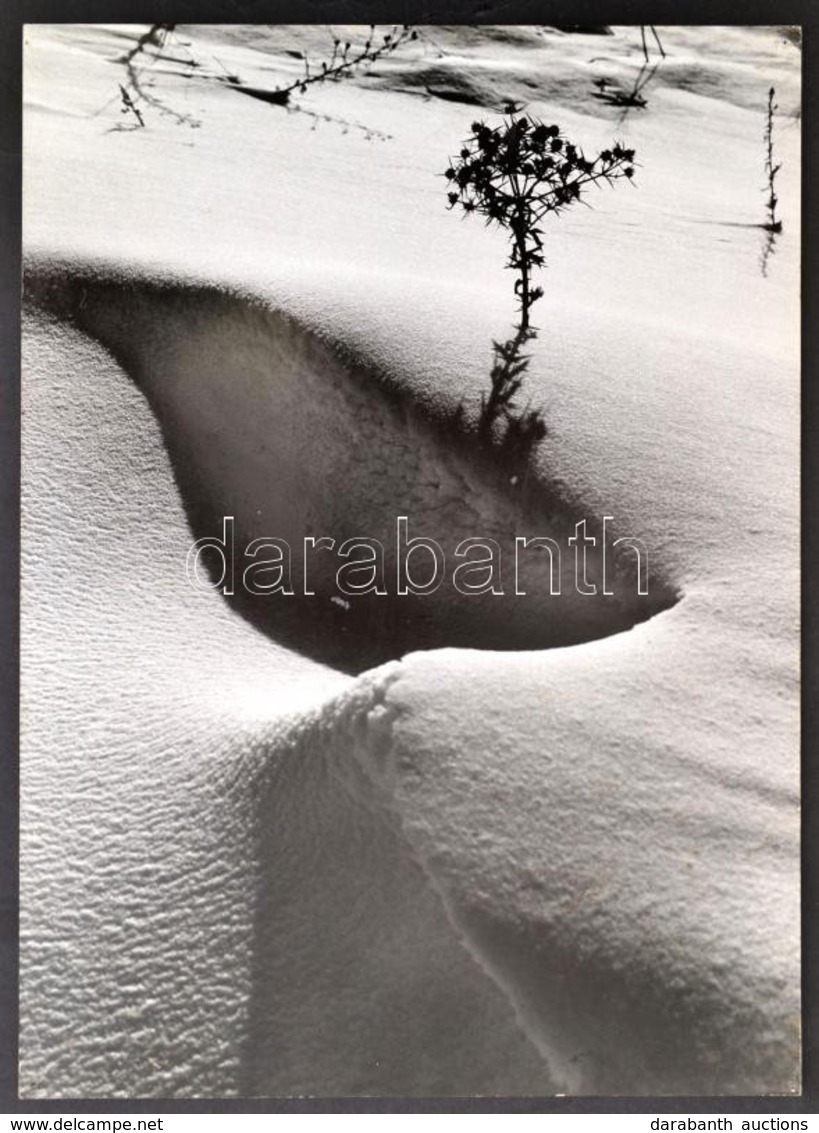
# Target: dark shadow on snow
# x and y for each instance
(295, 438)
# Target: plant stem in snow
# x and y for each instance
(771, 170)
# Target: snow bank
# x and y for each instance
(634, 896)
(244, 394)
(205, 909)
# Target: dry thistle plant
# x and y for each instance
(514, 175)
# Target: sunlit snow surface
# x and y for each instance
(245, 872)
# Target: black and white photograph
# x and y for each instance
(410, 569)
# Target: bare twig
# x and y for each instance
(772, 224)
(129, 106)
(653, 31)
(346, 58)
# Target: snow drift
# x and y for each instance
(244, 394)
(232, 921)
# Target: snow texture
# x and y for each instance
(550, 847)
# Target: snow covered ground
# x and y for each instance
(551, 844)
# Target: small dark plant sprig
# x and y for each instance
(772, 225)
(135, 94)
(514, 175)
(634, 97)
(130, 107)
(346, 58)
(630, 99)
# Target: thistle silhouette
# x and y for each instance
(514, 175)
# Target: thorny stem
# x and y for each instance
(520, 260)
